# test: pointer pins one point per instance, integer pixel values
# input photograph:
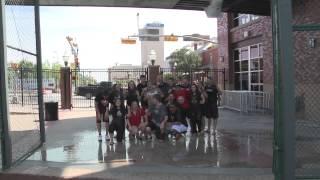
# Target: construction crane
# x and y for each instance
(74, 50)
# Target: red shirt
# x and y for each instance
(135, 118)
(185, 93)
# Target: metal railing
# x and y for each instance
(247, 101)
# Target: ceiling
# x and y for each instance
(212, 7)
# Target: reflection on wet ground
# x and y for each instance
(225, 149)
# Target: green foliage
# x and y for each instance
(26, 64)
(185, 59)
(56, 66)
(123, 82)
(85, 79)
(46, 65)
(168, 76)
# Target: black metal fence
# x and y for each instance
(85, 82)
(197, 75)
(23, 86)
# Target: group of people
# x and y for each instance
(165, 107)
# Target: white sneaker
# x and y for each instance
(99, 138)
(107, 138)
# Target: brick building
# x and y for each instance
(210, 58)
(245, 43)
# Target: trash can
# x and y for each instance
(51, 111)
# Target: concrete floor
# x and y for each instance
(242, 149)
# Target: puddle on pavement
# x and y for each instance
(226, 149)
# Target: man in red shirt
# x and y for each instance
(182, 94)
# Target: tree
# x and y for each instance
(27, 68)
(56, 66)
(26, 64)
(185, 59)
(46, 65)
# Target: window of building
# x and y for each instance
(241, 19)
(248, 68)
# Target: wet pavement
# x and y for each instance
(72, 150)
(226, 149)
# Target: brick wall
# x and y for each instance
(213, 52)
(224, 48)
(260, 31)
(307, 66)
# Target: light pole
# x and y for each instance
(152, 57)
(65, 60)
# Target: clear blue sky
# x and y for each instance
(98, 31)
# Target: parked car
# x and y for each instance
(92, 90)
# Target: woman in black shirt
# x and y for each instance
(118, 113)
(116, 93)
(195, 100)
(102, 114)
(212, 114)
(133, 93)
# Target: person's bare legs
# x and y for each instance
(99, 127)
(107, 131)
(210, 125)
(215, 123)
(206, 124)
(133, 131)
(99, 130)
(148, 132)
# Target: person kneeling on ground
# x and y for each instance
(159, 117)
(176, 125)
(136, 124)
(118, 113)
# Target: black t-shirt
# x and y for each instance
(195, 98)
(132, 96)
(212, 92)
(118, 114)
(141, 86)
(116, 95)
(164, 88)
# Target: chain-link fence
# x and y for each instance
(24, 123)
(307, 96)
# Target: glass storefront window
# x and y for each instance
(255, 77)
(236, 56)
(244, 81)
(241, 19)
(254, 66)
(254, 51)
(237, 81)
(248, 68)
(244, 54)
(244, 66)
(237, 66)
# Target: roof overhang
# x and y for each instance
(212, 7)
(258, 7)
(199, 5)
